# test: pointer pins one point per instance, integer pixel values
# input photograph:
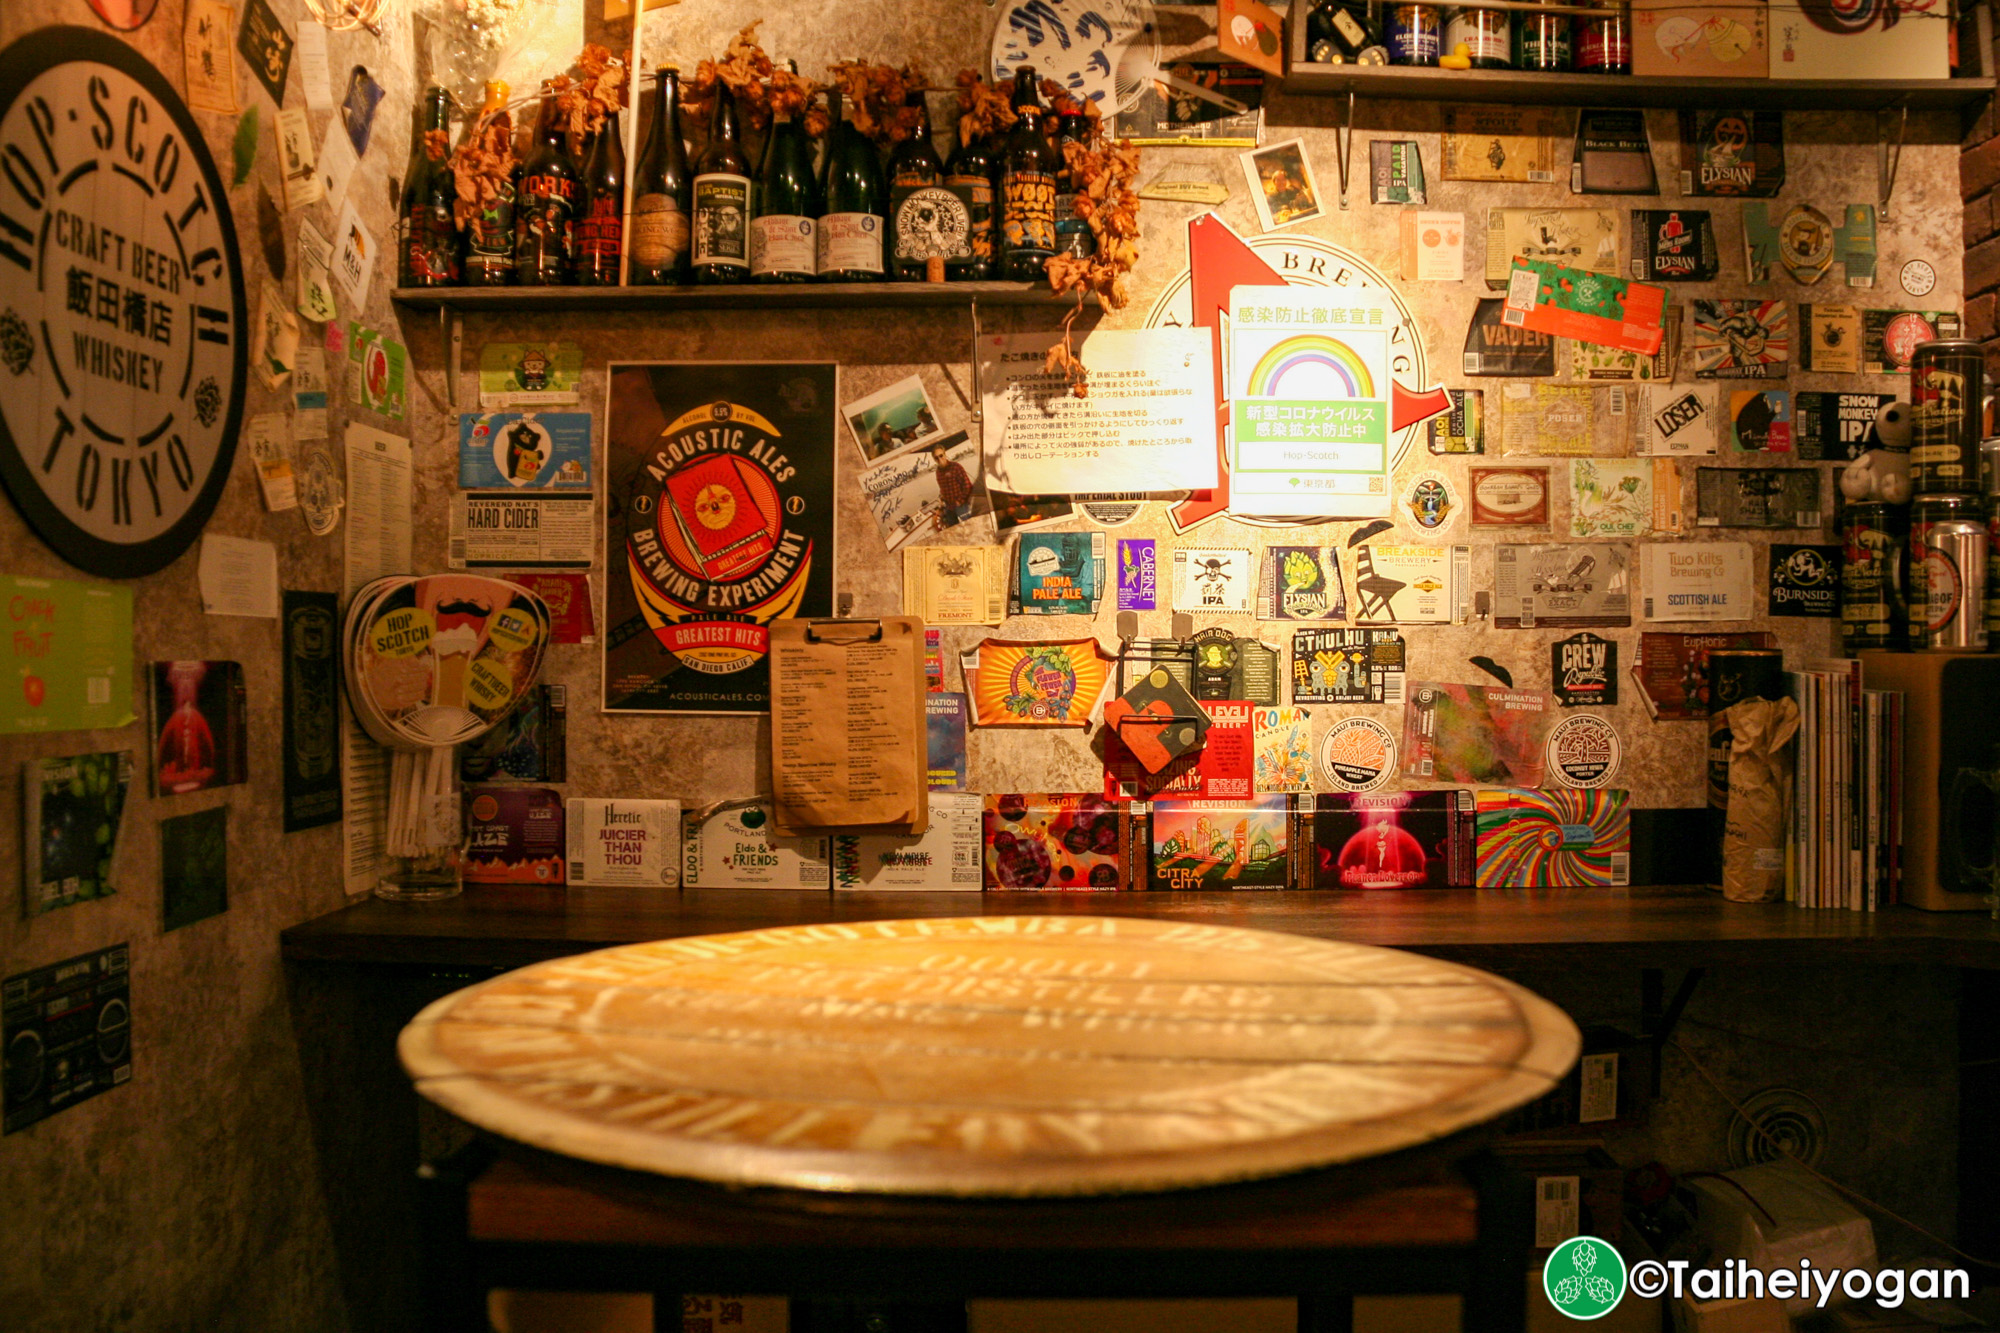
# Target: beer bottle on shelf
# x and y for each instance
(1337, 31)
(1073, 233)
(929, 226)
(850, 231)
(489, 236)
(783, 238)
(658, 240)
(722, 200)
(600, 232)
(427, 231)
(545, 206)
(1028, 171)
(969, 176)
(1542, 42)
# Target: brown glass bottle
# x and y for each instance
(1028, 177)
(929, 228)
(662, 197)
(600, 231)
(427, 234)
(722, 200)
(1073, 233)
(489, 235)
(545, 206)
(969, 175)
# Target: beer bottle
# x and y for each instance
(928, 224)
(969, 176)
(722, 200)
(489, 236)
(1073, 233)
(660, 195)
(850, 231)
(428, 233)
(783, 238)
(600, 238)
(1028, 171)
(545, 206)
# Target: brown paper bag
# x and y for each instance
(1758, 823)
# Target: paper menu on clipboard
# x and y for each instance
(848, 731)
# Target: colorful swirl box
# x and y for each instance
(1058, 841)
(1590, 307)
(1557, 839)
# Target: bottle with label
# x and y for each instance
(1338, 31)
(722, 200)
(783, 239)
(969, 176)
(1028, 172)
(661, 198)
(1604, 45)
(851, 229)
(930, 227)
(1541, 42)
(427, 233)
(489, 236)
(600, 232)
(545, 206)
(1486, 34)
(1073, 233)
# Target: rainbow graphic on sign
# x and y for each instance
(1315, 363)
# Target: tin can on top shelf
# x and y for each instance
(1873, 537)
(1604, 45)
(1412, 33)
(1947, 384)
(1486, 34)
(1948, 547)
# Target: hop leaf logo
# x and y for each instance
(1584, 1278)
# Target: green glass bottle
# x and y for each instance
(722, 200)
(969, 176)
(600, 231)
(428, 242)
(1073, 233)
(661, 197)
(783, 239)
(851, 228)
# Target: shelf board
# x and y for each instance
(1499, 85)
(748, 296)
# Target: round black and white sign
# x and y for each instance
(122, 313)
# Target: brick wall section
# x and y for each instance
(1979, 186)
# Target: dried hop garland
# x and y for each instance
(1105, 200)
(760, 87)
(482, 166)
(593, 90)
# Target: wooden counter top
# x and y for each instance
(1666, 926)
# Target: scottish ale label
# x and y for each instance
(722, 220)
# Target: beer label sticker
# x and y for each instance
(1805, 243)
(320, 491)
(1583, 751)
(1358, 755)
(1805, 581)
(1583, 670)
(1510, 497)
(1430, 503)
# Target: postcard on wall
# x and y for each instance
(1301, 583)
(1579, 238)
(1509, 497)
(1548, 420)
(1145, 426)
(734, 848)
(892, 419)
(1495, 347)
(194, 867)
(516, 531)
(296, 162)
(1567, 586)
(1757, 497)
(210, 68)
(76, 1016)
(72, 813)
(1411, 585)
(955, 585)
(1057, 574)
(945, 857)
(1698, 581)
(1610, 497)
(1674, 245)
(1742, 340)
(529, 450)
(529, 374)
(1501, 143)
(1213, 580)
(1476, 733)
(1675, 419)
(1462, 430)
(354, 255)
(1310, 392)
(719, 481)
(1433, 246)
(266, 47)
(200, 726)
(69, 651)
(1282, 185)
(1348, 666)
(925, 490)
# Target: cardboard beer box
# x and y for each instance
(1059, 840)
(620, 842)
(1721, 41)
(1553, 839)
(946, 856)
(513, 835)
(1224, 845)
(1890, 41)
(1391, 840)
(734, 848)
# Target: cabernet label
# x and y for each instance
(722, 220)
(1028, 211)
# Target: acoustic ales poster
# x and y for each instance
(719, 520)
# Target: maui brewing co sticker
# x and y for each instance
(1358, 755)
(122, 310)
(1583, 751)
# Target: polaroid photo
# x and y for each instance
(1282, 184)
(892, 419)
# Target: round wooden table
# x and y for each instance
(987, 1056)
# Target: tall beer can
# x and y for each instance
(1948, 544)
(1947, 384)
(1873, 537)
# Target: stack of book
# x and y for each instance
(1848, 813)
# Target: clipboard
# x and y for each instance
(849, 748)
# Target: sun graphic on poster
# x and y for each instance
(714, 507)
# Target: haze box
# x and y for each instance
(624, 842)
(514, 835)
(1391, 840)
(1061, 840)
(1756, 497)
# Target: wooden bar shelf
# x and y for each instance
(745, 296)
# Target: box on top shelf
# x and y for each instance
(1721, 41)
(1870, 41)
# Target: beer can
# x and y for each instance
(1948, 543)
(1541, 42)
(1947, 384)
(1604, 45)
(1873, 537)
(1486, 34)
(1735, 674)
(1412, 34)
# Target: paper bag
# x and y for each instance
(1758, 823)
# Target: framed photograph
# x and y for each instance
(892, 419)
(1282, 184)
